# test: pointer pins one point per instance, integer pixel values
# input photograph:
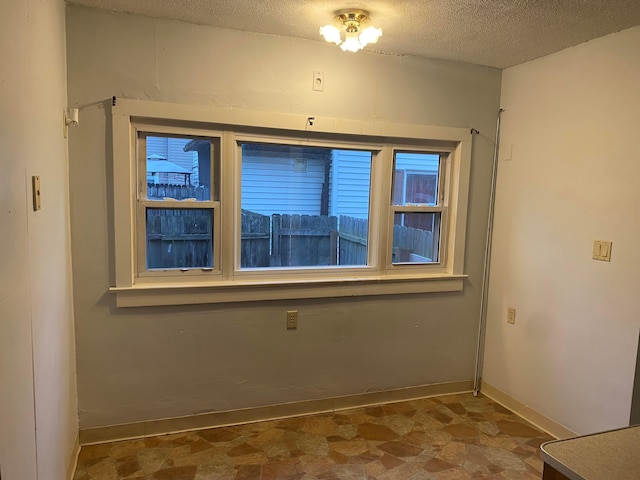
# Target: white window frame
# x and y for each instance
(441, 204)
(226, 282)
(142, 204)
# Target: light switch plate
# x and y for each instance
(602, 250)
(35, 185)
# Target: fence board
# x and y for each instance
(255, 240)
(353, 235)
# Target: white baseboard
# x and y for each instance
(111, 433)
(541, 421)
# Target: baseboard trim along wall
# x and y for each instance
(541, 421)
(127, 431)
(73, 459)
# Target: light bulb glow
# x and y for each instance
(331, 34)
(370, 35)
(352, 30)
(351, 43)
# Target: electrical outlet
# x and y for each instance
(511, 315)
(318, 81)
(292, 319)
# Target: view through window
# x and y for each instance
(417, 208)
(304, 206)
(177, 202)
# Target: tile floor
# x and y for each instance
(451, 437)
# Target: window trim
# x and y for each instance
(375, 221)
(143, 203)
(233, 285)
(441, 204)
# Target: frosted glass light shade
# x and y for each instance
(351, 43)
(352, 30)
(331, 34)
(370, 35)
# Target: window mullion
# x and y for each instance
(377, 210)
(229, 236)
(141, 194)
(382, 228)
(442, 178)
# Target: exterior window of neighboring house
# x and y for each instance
(418, 208)
(242, 211)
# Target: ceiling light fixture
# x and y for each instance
(351, 29)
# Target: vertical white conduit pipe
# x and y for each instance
(487, 265)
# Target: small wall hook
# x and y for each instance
(70, 119)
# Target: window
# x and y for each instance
(304, 217)
(418, 207)
(177, 204)
(220, 206)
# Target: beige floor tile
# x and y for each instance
(454, 437)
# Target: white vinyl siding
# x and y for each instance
(158, 146)
(297, 192)
(427, 164)
(350, 174)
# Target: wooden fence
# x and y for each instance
(315, 240)
(179, 238)
(409, 244)
(178, 192)
(302, 240)
(182, 238)
(412, 244)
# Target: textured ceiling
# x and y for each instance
(496, 33)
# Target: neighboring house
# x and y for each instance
(179, 163)
(295, 185)
(160, 170)
(326, 182)
(298, 180)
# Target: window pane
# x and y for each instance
(178, 168)
(416, 178)
(416, 237)
(304, 206)
(179, 238)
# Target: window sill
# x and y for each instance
(243, 291)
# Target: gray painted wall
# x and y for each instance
(38, 409)
(149, 363)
